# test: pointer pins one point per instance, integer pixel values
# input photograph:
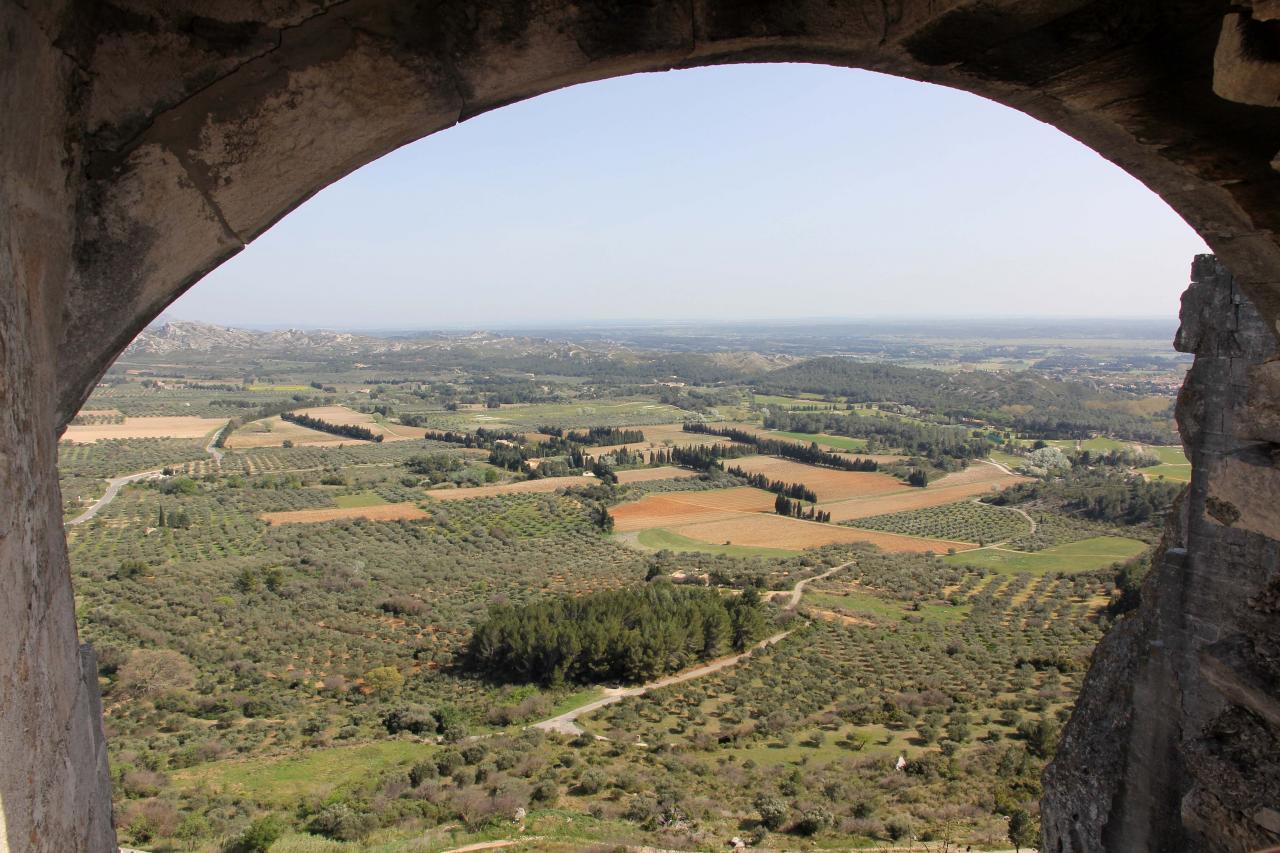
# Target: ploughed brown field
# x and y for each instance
(381, 512)
(551, 484)
(978, 479)
(761, 530)
(744, 516)
(177, 426)
(683, 508)
(830, 484)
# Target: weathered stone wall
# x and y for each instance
(54, 790)
(1175, 742)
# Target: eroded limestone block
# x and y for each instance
(1245, 66)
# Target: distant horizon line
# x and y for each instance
(896, 319)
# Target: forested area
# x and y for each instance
(628, 635)
(1106, 496)
(883, 433)
(1036, 406)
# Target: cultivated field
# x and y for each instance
(378, 512)
(658, 436)
(551, 484)
(978, 479)
(1083, 556)
(1174, 464)
(149, 427)
(830, 484)
(343, 416)
(273, 432)
(645, 475)
(744, 517)
(775, 531)
(670, 510)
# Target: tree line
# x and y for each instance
(784, 505)
(625, 635)
(796, 491)
(481, 438)
(345, 430)
(596, 435)
(810, 454)
(260, 411)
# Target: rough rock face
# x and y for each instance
(54, 788)
(1174, 743)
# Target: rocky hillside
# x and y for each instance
(179, 336)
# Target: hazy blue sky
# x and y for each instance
(752, 192)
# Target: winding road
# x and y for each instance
(567, 724)
(115, 484)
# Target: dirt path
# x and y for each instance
(493, 845)
(567, 724)
(999, 546)
(1001, 466)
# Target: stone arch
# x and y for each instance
(256, 116)
(164, 136)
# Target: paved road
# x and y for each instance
(567, 724)
(212, 449)
(115, 484)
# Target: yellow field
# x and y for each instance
(273, 432)
(381, 512)
(151, 427)
(343, 416)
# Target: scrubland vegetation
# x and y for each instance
(368, 684)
